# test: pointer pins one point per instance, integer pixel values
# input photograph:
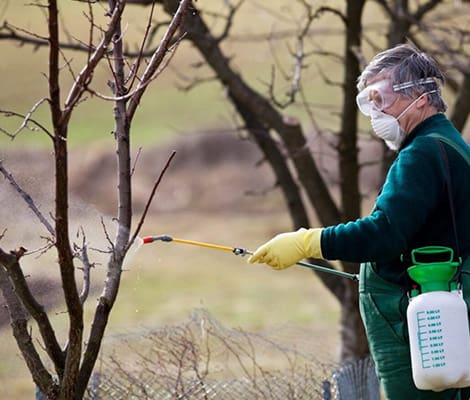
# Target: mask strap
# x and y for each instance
(414, 101)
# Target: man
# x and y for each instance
(399, 90)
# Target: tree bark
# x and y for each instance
(67, 270)
(353, 338)
(347, 148)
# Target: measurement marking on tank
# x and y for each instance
(430, 339)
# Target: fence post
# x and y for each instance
(38, 395)
(326, 390)
(357, 380)
(94, 385)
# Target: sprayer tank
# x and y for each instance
(439, 340)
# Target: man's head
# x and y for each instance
(399, 89)
(410, 72)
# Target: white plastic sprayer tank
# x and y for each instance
(438, 323)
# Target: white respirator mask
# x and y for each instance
(387, 128)
(378, 96)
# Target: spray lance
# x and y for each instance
(240, 251)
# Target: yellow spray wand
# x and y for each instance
(240, 251)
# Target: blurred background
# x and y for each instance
(219, 188)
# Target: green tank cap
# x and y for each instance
(433, 268)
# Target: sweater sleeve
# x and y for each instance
(411, 192)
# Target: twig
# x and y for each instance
(108, 238)
(139, 152)
(229, 21)
(142, 46)
(158, 55)
(84, 77)
(26, 118)
(27, 198)
(149, 201)
(142, 83)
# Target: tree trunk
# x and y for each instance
(461, 108)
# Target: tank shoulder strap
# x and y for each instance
(439, 139)
(452, 144)
(465, 267)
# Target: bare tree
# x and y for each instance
(73, 362)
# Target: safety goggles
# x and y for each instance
(381, 94)
(376, 96)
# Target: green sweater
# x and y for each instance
(412, 209)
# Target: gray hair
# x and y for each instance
(409, 70)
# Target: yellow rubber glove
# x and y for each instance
(286, 249)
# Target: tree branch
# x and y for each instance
(158, 56)
(67, 271)
(150, 199)
(423, 9)
(12, 266)
(288, 129)
(27, 198)
(82, 255)
(19, 324)
(26, 118)
(84, 77)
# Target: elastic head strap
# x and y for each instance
(405, 85)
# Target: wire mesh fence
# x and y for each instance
(201, 359)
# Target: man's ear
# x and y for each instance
(422, 102)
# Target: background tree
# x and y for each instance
(261, 111)
(73, 361)
(283, 140)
